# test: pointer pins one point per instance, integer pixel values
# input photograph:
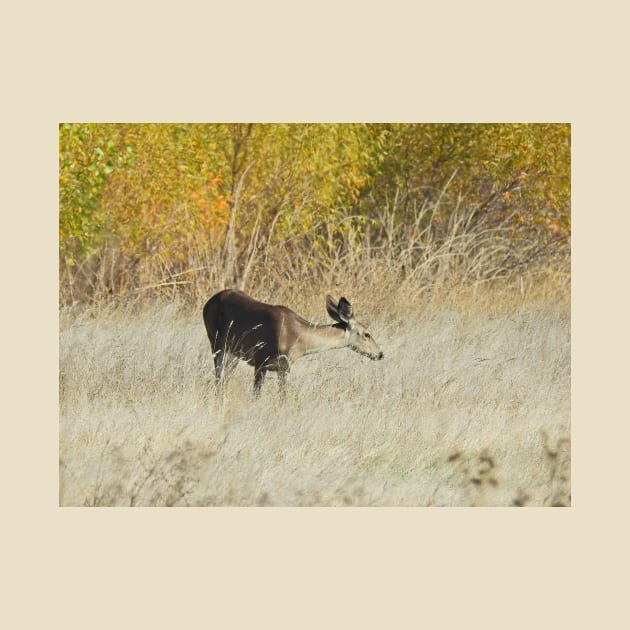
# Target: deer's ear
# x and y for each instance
(331, 307)
(344, 309)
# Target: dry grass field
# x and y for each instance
(470, 407)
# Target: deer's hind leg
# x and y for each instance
(224, 360)
(220, 360)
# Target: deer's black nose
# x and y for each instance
(380, 356)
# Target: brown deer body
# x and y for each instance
(271, 338)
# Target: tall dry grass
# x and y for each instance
(406, 247)
(471, 406)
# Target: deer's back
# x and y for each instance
(247, 322)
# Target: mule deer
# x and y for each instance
(271, 338)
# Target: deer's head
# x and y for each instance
(359, 337)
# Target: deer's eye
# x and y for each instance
(366, 335)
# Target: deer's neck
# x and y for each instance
(320, 338)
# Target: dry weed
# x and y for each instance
(471, 406)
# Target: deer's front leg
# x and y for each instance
(283, 373)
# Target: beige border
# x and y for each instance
(318, 568)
